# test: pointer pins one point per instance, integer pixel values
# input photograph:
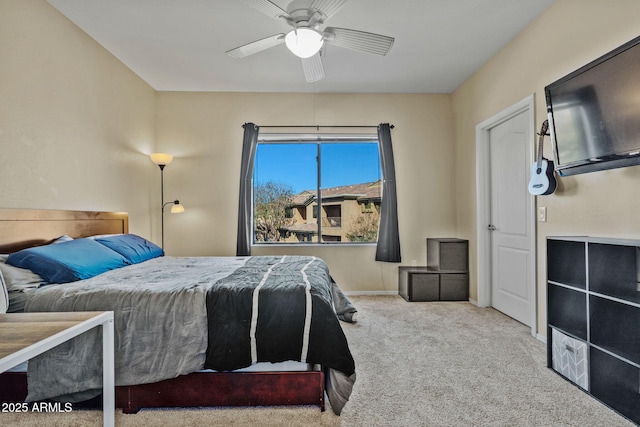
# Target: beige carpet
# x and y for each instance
(418, 364)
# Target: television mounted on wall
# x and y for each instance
(594, 113)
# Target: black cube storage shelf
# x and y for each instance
(446, 276)
(448, 254)
(593, 301)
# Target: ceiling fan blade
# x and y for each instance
(327, 7)
(359, 40)
(313, 68)
(256, 46)
(266, 7)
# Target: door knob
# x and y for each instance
(491, 227)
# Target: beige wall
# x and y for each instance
(76, 127)
(204, 131)
(75, 124)
(568, 35)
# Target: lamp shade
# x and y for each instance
(304, 42)
(161, 159)
(177, 208)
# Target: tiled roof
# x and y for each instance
(367, 190)
(364, 191)
(304, 198)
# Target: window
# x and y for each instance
(312, 189)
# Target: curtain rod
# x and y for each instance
(323, 126)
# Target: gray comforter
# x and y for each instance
(161, 326)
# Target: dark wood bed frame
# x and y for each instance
(22, 228)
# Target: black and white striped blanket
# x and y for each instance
(274, 309)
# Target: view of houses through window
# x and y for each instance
(317, 191)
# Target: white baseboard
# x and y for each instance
(364, 293)
(372, 293)
(541, 338)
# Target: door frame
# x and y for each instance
(483, 193)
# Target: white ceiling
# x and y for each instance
(180, 45)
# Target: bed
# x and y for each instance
(232, 313)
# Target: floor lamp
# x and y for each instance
(162, 160)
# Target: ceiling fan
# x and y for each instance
(306, 39)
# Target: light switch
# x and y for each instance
(542, 214)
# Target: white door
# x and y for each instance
(510, 224)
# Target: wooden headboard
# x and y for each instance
(23, 228)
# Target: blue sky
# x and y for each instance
(295, 164)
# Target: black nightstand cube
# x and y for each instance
(446, 276)
(454, 286)
(448, 254)
(418, 284)
(427, 284)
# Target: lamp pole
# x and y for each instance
(162, 202)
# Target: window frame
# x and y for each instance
(318, 140)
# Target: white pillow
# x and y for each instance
(4, 296)
(18, 279)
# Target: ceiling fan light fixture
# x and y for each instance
(304, 42)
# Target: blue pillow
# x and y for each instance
(68, 261)
(134, 248)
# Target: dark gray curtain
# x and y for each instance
(388, 248)
(245, 228)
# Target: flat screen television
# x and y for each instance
(594, 113)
